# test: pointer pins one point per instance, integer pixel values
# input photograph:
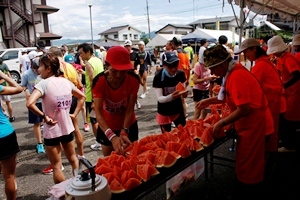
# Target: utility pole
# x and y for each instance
(148, 20)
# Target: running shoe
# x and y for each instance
(11, 119)
(96, 147)
(86, 127)
(148, 88)
(138, 105)
(285, 150)
(40, 148)
(143, 96)
(49, 170)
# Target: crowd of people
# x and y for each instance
(105, 90)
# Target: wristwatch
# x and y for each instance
(126, 130)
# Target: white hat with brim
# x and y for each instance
(296, 40)
(276, 45)
(251, 42)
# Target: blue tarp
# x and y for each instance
(194, 38)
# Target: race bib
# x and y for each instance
(63, 102)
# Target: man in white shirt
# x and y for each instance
(24, 61)
(203, 45)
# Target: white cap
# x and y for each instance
(24, 50)
(276, 45)
(102, 47)
(127, 43)
(32, 54)
(142, 43)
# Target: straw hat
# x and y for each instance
(215, 56)
(251, 42)
(276, 45)
(296, 40)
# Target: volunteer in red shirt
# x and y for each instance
(289, 68)
(115, 94)
(249, 113)
(272, 86)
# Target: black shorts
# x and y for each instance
(141, 72)
(133, 134)
(73, 105)
(198, 95)
(62, 139)
(88, 107)
(8, 146)
(34, 118)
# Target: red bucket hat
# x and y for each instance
(119, 58)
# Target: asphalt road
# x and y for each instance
(33, 185)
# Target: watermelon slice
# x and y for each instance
(131, 183)
(102, 161)
(110, 177)
(184, 151)
(143, 171)
(133, 174)
(207, 138)
(124, 177)
(180, 87)
(166, 160)
(103, 169)
(116, 187)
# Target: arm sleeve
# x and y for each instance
(160, 97)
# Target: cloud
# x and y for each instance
(72, 21)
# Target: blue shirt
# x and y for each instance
(5, 126)
(30, 79)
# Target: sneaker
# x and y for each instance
(11, 119)
(86, 127)
(96, 147)
(49, 170)
(138, 105)
(40, 148)
(285, 150)
(79, 156)
(42, 127)
(143, 96)
(148, 88)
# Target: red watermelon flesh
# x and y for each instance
(124, 177)
(117, 171)
(184, 151)
(197, 146)
(143, 171)
(206, 138)
(102, 161)
(125, 166)
(166, 160)
(176, 155)
(133, 174)
(173, 146)
(110, 177)
(103, 169)
(116, 187)
(131, 183)
(180, 87)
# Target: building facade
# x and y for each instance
(24, 23)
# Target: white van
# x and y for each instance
(11, 58)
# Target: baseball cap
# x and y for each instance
(276, 45)
(142, 43)
(118, 58)
(296, 40)
(102, 47)
(32, 54)
(251, 42)
(23, 50)
(39, 54)
(69, 58)
(127, 43)
(35, 63)
(170, 57)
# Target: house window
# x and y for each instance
(105, 36)
(116, 36)
(135, 36)
(125, 36)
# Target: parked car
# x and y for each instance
(11, 58)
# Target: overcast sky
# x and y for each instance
(72, 21)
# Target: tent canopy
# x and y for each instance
(232, 37)
(161, 39)
(285, 8)
(197, 36)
